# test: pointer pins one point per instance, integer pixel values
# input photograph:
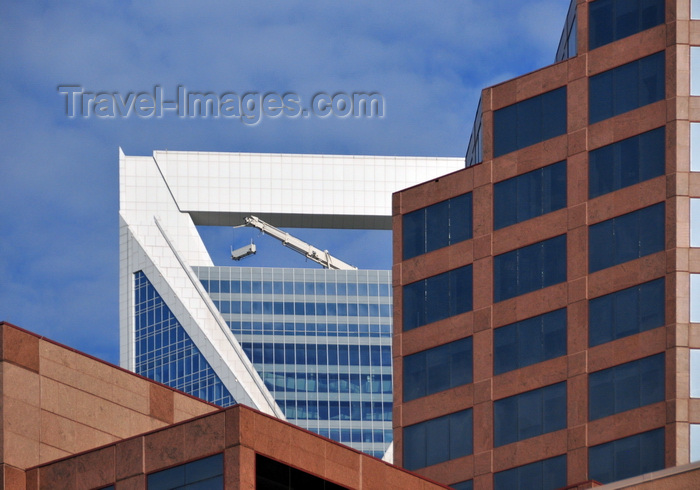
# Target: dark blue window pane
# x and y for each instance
(652, 85)
(530, 195)
(437, 219)
(530, 414)
(530, 341)
(437, 297)
(414, 233)
(600, 89)
(505, 128)
(438, 440)
(600, 23)
(530, 133)
(505, 203)
(626, 87)
(610, 20)
(530, 121)
(460, 218)
(626, 237)
(624, 458)
(626, 162)
(438, 369)
(547, 474)
(437, 226)
(553, 113)
(463, 485)
(530, 268)
(627, 386)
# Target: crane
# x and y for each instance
(309, 251)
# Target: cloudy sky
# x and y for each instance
(59, 175)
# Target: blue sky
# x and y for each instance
(59, 175)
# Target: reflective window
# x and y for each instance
(695, 222)
(273, 475)
(626, 162)
(695, 298)
(437, 226)
(567, 41)
(626, 312)
(529, 268)
(627, 237)
(624, 458)
(463, 485)
(547, 474)
(203, 473)
(694, 443)
(694, 147)
(166, 353)
(529, 341)
(610, 20)
(626, 87)
(625, 387)
(320, 340)
(695, 9)
(437, 369)
(695, 373)
(530, 121)
(437, 440)
(529, 195)
(437, 297)
(530, 414)
(695, 70)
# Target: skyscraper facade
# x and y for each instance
(309, 345)
(546, 296)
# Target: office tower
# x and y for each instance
(547, 295)
(311, 345)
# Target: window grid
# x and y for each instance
(164, 351)
(321, 342)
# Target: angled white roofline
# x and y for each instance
(163, 197)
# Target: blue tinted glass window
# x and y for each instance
(438, 440)
(626, 237)
(626, 312)
(530, 414)
(626, 87)
(437, 226)
(463, 485)
(437, 369)
(165, 352)
(529, 268)
(610, 20)
(547, 474)
(437, 297)
(203, 473)
(529, 195)
(626, 162)
(625, 387)
(530, 121)
(624, 458)
(529, 341)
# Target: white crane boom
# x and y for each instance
(309, 251)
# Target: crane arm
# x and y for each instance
(309, 251)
